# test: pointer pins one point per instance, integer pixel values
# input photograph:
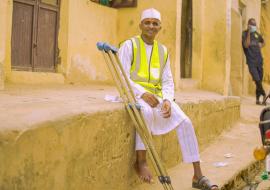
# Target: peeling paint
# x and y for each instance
(82, 70)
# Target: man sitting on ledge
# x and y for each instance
(147, 64)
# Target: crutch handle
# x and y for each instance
(106, 47)
(100, 46)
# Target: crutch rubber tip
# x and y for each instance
(100, 46)
(164, 179)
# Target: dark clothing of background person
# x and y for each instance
(254, 60)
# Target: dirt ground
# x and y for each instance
(227, 156)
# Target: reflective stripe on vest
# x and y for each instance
(143, 73)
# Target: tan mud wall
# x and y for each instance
(63, 36)
(214, 45)
(82, 24)
(235, 4)
(253, 10)
(265, 29)
(236, 54)
(3, 39)
(96, 151)
(197, 41)
(87, 24)
(7, 17)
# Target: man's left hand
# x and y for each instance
(166, 108)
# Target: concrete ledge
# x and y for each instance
(70, 138)
(23, 77)
(188, 84)
(239, 141)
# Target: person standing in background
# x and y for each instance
(252, 43)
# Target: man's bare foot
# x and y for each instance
(143, 172)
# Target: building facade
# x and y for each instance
(53, 41)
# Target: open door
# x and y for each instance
(186, 39)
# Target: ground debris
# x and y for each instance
(264, 185)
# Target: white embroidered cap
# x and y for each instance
(151, 13)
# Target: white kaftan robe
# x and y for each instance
(156, 123)
(153, 116)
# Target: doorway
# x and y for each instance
(186, 39)
(34, 35)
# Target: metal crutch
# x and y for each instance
(163, 178)
(131, 111)
(112, 52)
(138, 129)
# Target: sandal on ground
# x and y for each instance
(204, 184)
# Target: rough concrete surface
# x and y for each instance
(265, 185)
(239, 142)
(69, 137)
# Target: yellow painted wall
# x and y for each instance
(87, 24)
(214, 45)
(5, 40)
(82, 24)
(252, 10)
(128, 26)
(63, 36)
(8, 11)
(236, 54)
(197, 40)
(265, 29)
(217, 46)
(235, 4)
(212, 48)
(3, 17)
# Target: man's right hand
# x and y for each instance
(150, 99)
(249, 28)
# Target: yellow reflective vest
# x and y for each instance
(148, 75)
